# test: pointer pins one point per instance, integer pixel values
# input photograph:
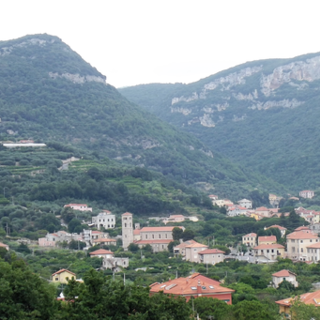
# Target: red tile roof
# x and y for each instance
(3, 245)
(267, 238)
(96, 232)
(184, 244)
(127, 214)
(283, 273)
(196, 245)
(211, 251)
(194, 285)
(63, 270)
(314, 246)
(104, 240)
(100, 252)
(262, 209)
(302, 228)
(136, 232)
(301, 235)
(307, 298)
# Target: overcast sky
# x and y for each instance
(144, 41)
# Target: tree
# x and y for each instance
(172, 244)
(252, 310)
(177, 233)
(188, 234)
(133, 247)
(301, 311)
(76, 245)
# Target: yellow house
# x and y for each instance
(255, 216)
(63, 276)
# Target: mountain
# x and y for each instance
(49, 93)
(262, 114)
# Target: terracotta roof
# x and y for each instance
(314, 246)
(184, 244)
(302, 228)
(267, 238)
(307, 298)
(104, 240)
(136, 231)
(158, 229)
(193, 285)
(250, 235)
(3, 245)
(96, 232)
(301, 235)
(153, 241)
(127, 214)
(100, 252)
(269, 246)
(283, 273)
(262, 209)
(211, 251)
(63, 270)
(277, 226)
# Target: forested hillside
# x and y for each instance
(48, 93)
(262, 114)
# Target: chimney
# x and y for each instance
(199, 291)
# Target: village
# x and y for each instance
(301, 245)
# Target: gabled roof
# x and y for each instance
(127, 214)
(267, 238)
(191, 286)
(314, 246)
(196, 245)
(277, 226)
(283, 273)
(63, 270)
(301, 235)
(100, 252)
(252, 234)
(184, 244)
(302, 228)
(211, 251)
(307, 298)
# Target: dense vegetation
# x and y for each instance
(278, 142)
(48, 93)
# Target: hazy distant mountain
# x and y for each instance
(48, 92)
(263, 114)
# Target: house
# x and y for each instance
(267, 240)
(235, 210)
(281, 229)
(211, 256)
(245, 203)
(105, 241)
(313, 252)
(307, 194)
(157, 237)
(193, 286)
(302, 228)
(115, 263)
(249, 239)
(282, 275)
(63, 276)
(213, 197)
(222, 202)
(101, 253)
(174, 218)
(104, 219)
(2, 245)
(181, 248)
(274, 200)
(270, 251)
(192, 251)
(307, 298)
(51, 239)
(264, 212)
(79, 207)
(297, 243)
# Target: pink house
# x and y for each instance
(79, 207)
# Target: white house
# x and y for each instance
(308, 194)
(79, 207)
(282, 275)
(104, 219)
(245, 203)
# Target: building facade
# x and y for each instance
(211, 256)
(250, 239)
(298, 242)
(104, 219)
(127, 229)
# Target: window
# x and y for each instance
(310, 240)
(301, 241)
(57, 279)
(153, 236)
(159, 236)
(301, 249)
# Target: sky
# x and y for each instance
(136, 42)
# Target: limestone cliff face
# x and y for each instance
(76, 78)
(308, 70)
